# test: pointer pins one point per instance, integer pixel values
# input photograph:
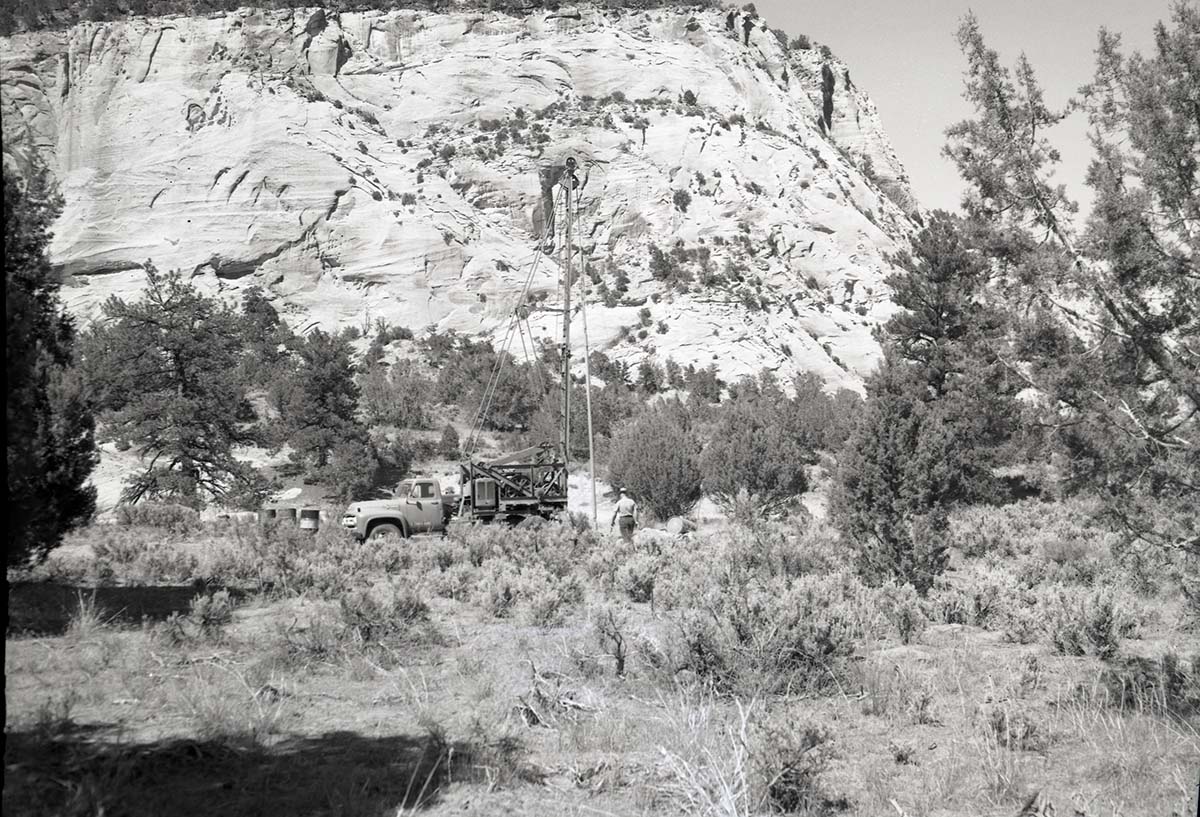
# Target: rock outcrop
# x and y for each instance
(392, 165)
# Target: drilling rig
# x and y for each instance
(531, 482)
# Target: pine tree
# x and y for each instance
(164, 372)
(49, 434)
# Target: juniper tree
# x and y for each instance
(758, 445)
(318, 399)
(909, 459)
(1119, 302)
(656, 458)
(266, 338)
(49, 433)
(318, 405)
(937, 410)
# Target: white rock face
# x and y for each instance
(391, 164)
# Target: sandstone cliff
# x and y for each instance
(391, 165)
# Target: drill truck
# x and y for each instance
(512, 487)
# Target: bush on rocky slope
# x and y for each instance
(38, 14)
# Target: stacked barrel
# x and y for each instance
(308, 519)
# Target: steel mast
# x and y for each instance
(569, 183)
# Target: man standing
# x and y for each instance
(626, 513)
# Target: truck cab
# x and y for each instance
(417, 505)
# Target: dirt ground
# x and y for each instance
(490, 716)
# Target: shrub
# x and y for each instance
(401, 616)
(681, 199)
(635, 577)
(454, 582)
(775, 635)
(116, 547)
(163, 515)
(1013, 728)
(1077, 621)
(162, 563)
(990, 594)
(1165, 684)
(669, 267)
(500, 589)
(903, 607)
(789, 754)
(328, 564)
(755, 449)
(324, 638)
(1064, 537)
(655, 458)
(211, 612)
(549, 605)
(609, 629)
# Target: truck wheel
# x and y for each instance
(385, 530)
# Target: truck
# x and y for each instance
(517, 486)
(527, 484)
(416, 506)
(509, 489)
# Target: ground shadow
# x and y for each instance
(46, 608)
(339, 773)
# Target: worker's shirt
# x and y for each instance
(626, 507)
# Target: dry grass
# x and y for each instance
(413, 688)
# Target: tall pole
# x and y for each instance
(569, 183)
(587, 385)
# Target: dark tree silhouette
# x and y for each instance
(49, 435)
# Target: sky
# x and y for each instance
(904, 54)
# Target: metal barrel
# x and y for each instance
(287, 515)
(266, 516)
(310, 519)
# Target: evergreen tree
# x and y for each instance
(757, 446)
(266, 338)
(49, 435)
(950, 332)
(824, 420)
(656, 458)
(396, 395)
(450, 444)
(1118, 306)
(318, 399)
(650, 378)
(908, 461)
(937, 412)
(164, 372)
